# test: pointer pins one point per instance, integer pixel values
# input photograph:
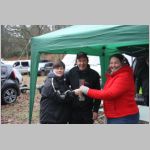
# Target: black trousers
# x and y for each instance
(45, 122)
(81, 117)
(146, 100)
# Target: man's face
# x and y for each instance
(82, 63)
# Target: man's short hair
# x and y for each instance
(82, 55)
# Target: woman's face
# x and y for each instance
(114, 64)
(59, 71)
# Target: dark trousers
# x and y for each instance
(146, 100)
(45, 122)
(80, 117)
(130, 119)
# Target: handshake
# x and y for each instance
(70, 94)
(79, 92)
(64, 95)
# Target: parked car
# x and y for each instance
(19, 77)
(44, 68)
(9, 85)
(21, 65)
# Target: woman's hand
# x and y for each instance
(78, 92)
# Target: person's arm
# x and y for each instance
(49, 93)
(47, 88)
(119, 87)
(96, 104)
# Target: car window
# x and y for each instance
(49, 65)
(16, 64)
(25, 64)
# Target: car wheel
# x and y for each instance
(9, 95)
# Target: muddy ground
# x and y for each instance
(18, 112)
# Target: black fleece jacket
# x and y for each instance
(91, 79)
(53, 107)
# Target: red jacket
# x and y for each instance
(118, 94)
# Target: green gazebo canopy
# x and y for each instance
(98, 40)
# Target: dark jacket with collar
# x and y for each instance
(91, 79)
(54, 108)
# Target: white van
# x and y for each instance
(21, 65)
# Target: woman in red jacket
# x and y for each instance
(118, 93)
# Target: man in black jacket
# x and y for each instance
(141, 74)
(84, 110)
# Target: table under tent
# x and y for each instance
(97, 40)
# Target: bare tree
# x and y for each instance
(17, 37)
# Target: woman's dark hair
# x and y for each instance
(58, 64)
(122, 59)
